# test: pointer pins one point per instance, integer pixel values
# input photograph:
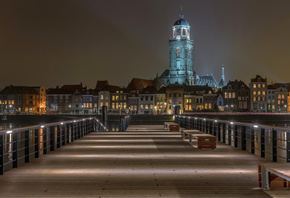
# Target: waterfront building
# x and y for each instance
(77, 98)
(258, 88)
(174, 97)
(133, 103)
(236, 96)
(119, 100)
(277, 98)
(147, 100)
(160, 96)
(90, 101)
(198, 98)
(23, 99)
(58, 100)
(104, 90)
(220, 100)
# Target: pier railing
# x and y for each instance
(21, 145)
(268, 142)
(124, 123)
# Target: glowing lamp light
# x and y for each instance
(232, 123)
(42, 126)
(9, 132)
(61, 123)
(195, 118)
(203, 119)
(74, 121)
(256, 126)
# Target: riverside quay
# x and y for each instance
(144, 156)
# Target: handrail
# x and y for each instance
(240, 123)
(50, 124)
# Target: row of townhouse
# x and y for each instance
(23, 99)
(141, 97)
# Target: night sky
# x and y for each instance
(60, 42)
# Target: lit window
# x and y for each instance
(113, 98)
(141, 106)
(259, 85)
(254, 85)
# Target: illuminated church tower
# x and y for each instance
(180, 56)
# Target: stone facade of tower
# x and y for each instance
(180, 57)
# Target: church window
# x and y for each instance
(177, 53)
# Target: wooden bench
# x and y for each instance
(171, 126)
(186, 133)
(203, 140)
(274, 175)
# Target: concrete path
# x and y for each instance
(145, 161)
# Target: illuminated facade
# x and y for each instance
(23, 99)
(181, 61)
(180, 56)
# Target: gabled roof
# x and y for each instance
(162, 90)
(139, 84)
(148, 90)
(236, 84)
(58, 91)
(256, 79)
(101, 84)
(73, 88)
(197, 88)
(207, 80)
(19, 90)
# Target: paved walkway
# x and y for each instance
(145, 161)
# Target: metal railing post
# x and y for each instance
(52, 138)
(36, 143)
(15, 148)
(1, 154)
(27, 146)
(274, 145)
(262, 137)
